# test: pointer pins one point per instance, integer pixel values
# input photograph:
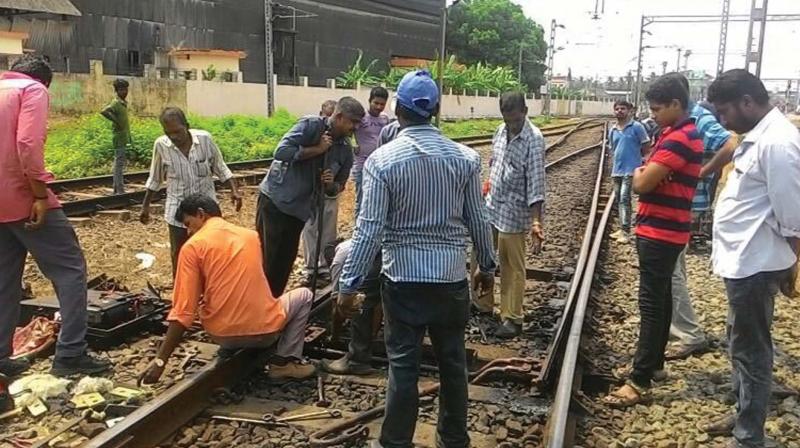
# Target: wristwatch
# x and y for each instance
(160, 363)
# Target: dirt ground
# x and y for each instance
(110, 246)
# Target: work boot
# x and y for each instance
(292, 370)
(508, 330)
(84, 364)
(13, 367)
(721, 426)
(344, 366)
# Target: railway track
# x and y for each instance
(512, 383)
(88, 195)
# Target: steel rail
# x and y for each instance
(550, 365)
(558, 435)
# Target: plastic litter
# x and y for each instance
(147, 260)
(90, 384)
(38, 386)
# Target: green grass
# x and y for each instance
(81, 146)
(485, 126)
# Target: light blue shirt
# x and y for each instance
(714, 137)
(627, 143)
(422, 204)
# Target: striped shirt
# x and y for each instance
(517, 179)
(186, 175)
(389, 133)
(422, 203)
(714, 137)
(665, 214)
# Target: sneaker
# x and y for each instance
(84, 364)
(682, 351)
(344, 366)
(292, 370)
(508, 330)
(721, 426)
(13, 367)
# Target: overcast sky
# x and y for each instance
(608, 46)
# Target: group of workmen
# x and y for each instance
(421, 207)
(756, 231)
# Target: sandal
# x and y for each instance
(618, 400)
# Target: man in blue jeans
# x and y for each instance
(422, 204)
(629, 140)
(756, 235)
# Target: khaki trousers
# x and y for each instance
(511, 248)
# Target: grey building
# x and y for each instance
(318, 39)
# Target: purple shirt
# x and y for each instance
(368, 138)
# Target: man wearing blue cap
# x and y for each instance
(422, 200)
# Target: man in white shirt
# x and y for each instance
(756, 231)
(186, 158)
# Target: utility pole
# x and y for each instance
(686, 55)
(551, 49)
(678, 63)
(637, 96)
(519, 66)
(663, 68)
(440, 63)
(755, 47)
(269, 70)
(723, 36)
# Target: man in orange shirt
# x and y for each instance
(220, 278)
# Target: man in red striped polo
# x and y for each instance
(666, 186)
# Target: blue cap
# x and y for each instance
(418, 92)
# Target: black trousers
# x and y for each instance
(177, 238)
(656, 263)
(280, 239)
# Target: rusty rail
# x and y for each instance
(560, 426)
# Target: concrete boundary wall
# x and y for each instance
(88, 93)
(211, 98)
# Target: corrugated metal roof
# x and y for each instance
(49, 6)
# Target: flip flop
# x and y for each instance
(618, 401)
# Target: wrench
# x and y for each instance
(328, 413)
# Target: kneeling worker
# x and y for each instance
(221, 263)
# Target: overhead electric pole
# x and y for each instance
(637, 95)
(664, 68)
(678, 61)
(723, 36)
(755, 38)
(268, 66)
(551, 49)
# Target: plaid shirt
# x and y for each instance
(186, 175)
(714, 137)
(517, 178)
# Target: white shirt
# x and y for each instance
(186, 175)
(760, 204)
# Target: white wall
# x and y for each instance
(211, 98)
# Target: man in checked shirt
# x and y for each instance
(515, 202)
(186, 158)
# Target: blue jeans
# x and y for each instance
(622, 188)
(358, 179)
(751, 303)
(443, 310)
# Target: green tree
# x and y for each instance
(492, 32)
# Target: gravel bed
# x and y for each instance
(128, 360)
(580, 139)
(699, 387)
